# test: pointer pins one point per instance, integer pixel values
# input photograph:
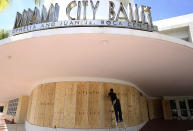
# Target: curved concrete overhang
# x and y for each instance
(156, 64)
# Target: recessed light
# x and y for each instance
(9, 57)
(104, 42)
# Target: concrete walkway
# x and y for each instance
(10, 127)
(3, 126)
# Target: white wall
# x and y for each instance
(180, 27)
(174, 22)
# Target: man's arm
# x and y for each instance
(109, 94)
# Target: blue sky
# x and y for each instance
(161, 9)
(7, 17)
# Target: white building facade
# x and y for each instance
(68, 56)
(180, 27)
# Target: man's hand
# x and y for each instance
(114, 102)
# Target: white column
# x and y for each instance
(191, 32)
(178, 108)
(188, 109)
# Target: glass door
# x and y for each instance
(183, 109)
(190, 104)
(174, 109)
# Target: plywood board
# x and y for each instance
(29, 107)
(102, 106)
(21, 109)
(124, 102)
(23, 115)
(129, 106)
(84, 105)
(33, 105)
(137, 107)
(70, 104)
(29, 110)
(143, 109)
(108, 105)
(41, 105)
(81, 120)
(93, 106)
(37, 116)
(155, 108)
(49, 104)
(58, 117)
(166, 110)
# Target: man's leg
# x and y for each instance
(120, 115)
(116, 115)
(118, 105)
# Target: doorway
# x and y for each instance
(182, 109)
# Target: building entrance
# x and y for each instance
(182, 109)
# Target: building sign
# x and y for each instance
(84, 14)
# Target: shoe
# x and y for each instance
(121, 121)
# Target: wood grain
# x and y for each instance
(59, 106)
(81, 120)
(84, 105)
(166, 110)
(155, 108)
(21, 112)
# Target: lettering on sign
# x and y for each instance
(118, 16)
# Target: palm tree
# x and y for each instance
(38, 2)
(3, 34)
(3, 4)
